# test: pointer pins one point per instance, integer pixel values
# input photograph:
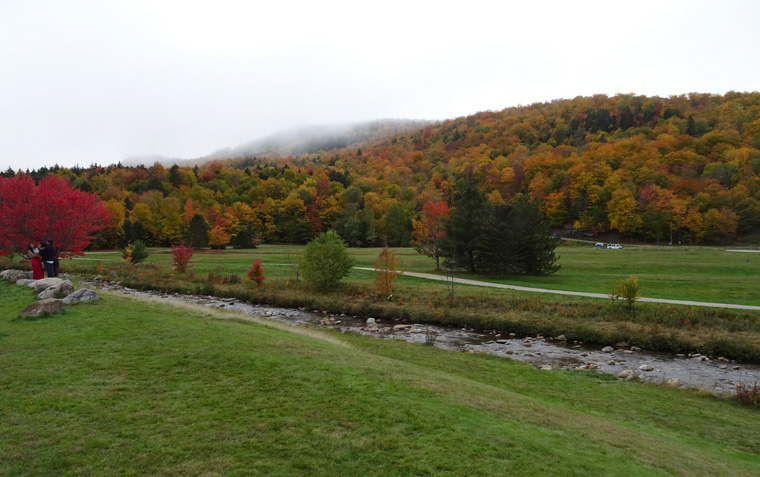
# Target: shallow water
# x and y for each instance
(695, 370)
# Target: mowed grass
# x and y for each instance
(686, 273)
(125, 386)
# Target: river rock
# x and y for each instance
(401, 327)
(646, 367)
(625, 374)
(561, 338)
(61, 290)
(83, 295)
(675, 382)
(502, 341)
(546, 367)
(608, 349)
(42, 284)
(42, 308)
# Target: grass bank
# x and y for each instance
(717, 332)
(124, 387)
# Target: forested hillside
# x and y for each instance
(647, 167)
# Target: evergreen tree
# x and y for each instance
(175, 179)
(197, 232)
(246, 238)
(469, 212)
(517, 239)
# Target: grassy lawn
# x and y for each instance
(126, 386)
(688, 273)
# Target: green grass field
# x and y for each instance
(687, 273)
(126, 387)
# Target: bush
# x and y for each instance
(386, 272)
(181, 256)
(748, 395)
(135, 253)
(628, 291)
(256, 274)
(326, 261)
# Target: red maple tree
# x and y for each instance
(181, 256)
(430, 230)
(50, 210)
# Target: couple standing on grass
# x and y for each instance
(44, 254)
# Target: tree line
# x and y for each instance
(682, 168)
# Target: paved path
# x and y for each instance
(467, 281)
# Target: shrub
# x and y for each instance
(181, 256)
(628, 291)
(217, 277)
(385, 272)
(748, 395)
(256, 274)
(135, 252)
(326, 261)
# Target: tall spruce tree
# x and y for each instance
(469, 213)
(197, 232)
(517, 239)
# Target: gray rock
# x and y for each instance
(675, 382)
(24, 281)
(561, 338)
(42, 308)
(401, 327)
(545, 367)
(625, 374)
(646, 367)
(14, 275)
(61, 290)
(82, 295)
(40, 285)
(608, 349)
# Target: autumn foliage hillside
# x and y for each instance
(683, 168)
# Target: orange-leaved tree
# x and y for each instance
(430, 230)
(386, 272)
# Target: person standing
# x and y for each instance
(48, 258)
(36, 259)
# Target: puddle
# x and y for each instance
(543, 352)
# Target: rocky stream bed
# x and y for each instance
(627, 362)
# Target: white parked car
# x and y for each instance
(614, 246)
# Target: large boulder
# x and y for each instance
(81, 296)
(24, 281)
(44, 283)
(42, 308)
(14, 275)
(61, 290)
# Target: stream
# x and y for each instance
(627, 362)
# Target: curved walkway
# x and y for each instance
(467, 281)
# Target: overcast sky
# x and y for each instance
(85, 82)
